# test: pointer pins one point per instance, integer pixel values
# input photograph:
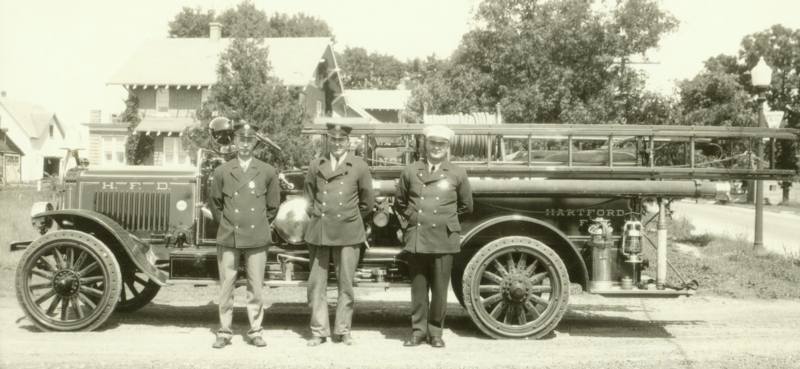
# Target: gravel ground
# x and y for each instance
(176, 331)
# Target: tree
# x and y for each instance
(245, 20)
(246, 91)
(552, 61)
(365, 70)
(191, 23)
(138, 147)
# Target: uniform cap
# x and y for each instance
(246, 130)
(338, 130)
(438, 131)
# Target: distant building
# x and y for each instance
(384, 106)
(33, 141)
(171, 78)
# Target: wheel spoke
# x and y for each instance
(538, 300)
(59, 258)
(531, 268)
(90, 280)
(124, 295)
(129, 283)
(44, 297)
(70, 257)
(523, 261)
(510, 262)
(45, 264)
(42, 273)
(538, 277)
(509, 314)
(492, 277)
(541, 289)
(521, 317)
(76, 307)
(500, 268)
(140, 280)
(491, 300)
(486, 288)
(531, 308)
(53, 305)
(64, 307)
(79, 262)
(86, 301)
(499, 309)
(91, 291)
(88, 268)
(39, 286)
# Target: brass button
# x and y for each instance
(252, 209)
(437, 197)
(235, 210)
(323, 204)
(338, 215)
(419, 224)
(324, 192)
(341, 183)
(237, 227)
(340, 204)
(420, 211)
(236, 193)
(434, 226)
(422, 198)
(434, 211)
(252, 226)
(340, 192)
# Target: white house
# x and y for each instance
(37, 134)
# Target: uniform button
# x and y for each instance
(423, 186)
(323, 204)
(340, 192)
(419, 224)
(338, 215)
(237, 227)
(252, 192)
(252, 226)
(420, 211)
(434, 211)
(235, 193)
(437, 197)
(341, 182)
(252, 209)
(340, 204)
(422, 198)
(434, 226)
(324, 192)
(235, 210)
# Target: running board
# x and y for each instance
(619, 292)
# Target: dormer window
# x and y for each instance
(162, 99)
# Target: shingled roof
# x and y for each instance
(193, 61)
(33, 119)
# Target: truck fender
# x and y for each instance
(121, 242)
(567, 250)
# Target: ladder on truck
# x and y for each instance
(615, 151)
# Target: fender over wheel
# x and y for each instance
(68, 281)
(516, 287)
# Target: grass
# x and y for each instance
(729, 267)
(15, 225)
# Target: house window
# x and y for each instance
(51, 131)
(174, 154)
(204, 95)
(319, 108)
(113, 150)
(162, 99)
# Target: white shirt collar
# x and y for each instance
(335, 163)
(244, 164)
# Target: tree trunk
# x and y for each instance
(786, 186)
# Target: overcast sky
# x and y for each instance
(59, 54)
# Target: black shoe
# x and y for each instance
(256, 341)
(414, 341)
(315, 341)
(343, 338)
(437, 342)
(221, 342)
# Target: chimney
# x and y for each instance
(215, 30)
(94, 115)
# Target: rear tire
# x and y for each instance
(68, 281)
(516, 287)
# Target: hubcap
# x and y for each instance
(515, 287)
(66, 283)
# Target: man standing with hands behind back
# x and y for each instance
(431, 194)
(245, 195)
(338, 187)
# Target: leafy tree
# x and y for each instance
(191, 23)
(552, 61)
(138, 147)
(245, 20)
(246, 91)
(363, 70)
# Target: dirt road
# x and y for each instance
(176, 331)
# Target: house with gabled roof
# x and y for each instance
(380, 106)
(171, 78)
(34, 141)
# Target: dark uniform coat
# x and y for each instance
(431, 203)
(244, 203)
(338, 201)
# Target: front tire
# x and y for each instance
(68, 281)
(516, 287)
(137, 291)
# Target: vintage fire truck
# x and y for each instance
(556, 207)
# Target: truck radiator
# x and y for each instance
(135, 211)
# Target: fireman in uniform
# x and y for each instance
(338, 187)
(245, 195)
(431, 194)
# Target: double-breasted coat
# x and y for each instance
(339, 201)
(431, 204)
(244, 203)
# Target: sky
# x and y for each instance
(59, 54)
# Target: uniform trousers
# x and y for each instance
(255, 262)
(429, 272)
(345, 259)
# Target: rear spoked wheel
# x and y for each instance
(516, 287)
